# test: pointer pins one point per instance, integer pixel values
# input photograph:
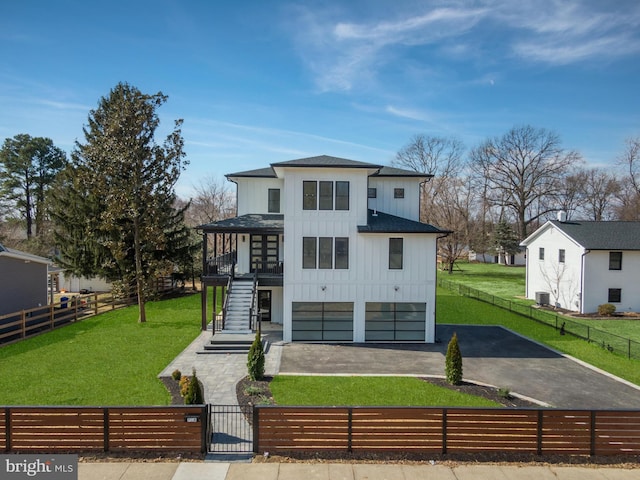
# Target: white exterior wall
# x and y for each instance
(368, 278)
(253, 194)
(407, 207)
(75, 284)
(561, 280)
(599, 279)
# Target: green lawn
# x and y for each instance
(109, 359)
(456, 309)
(373, 391)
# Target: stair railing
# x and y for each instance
(253, 312)
(225, 305)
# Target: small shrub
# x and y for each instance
(453, 362)
(184, 385)
(255, 360)
(606, 309)
(253, 390)
(194, 394)
(176, 375)
(504, 393)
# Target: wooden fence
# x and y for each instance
(109, 429)
(26, 323)
(445, 430)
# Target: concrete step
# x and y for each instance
(231, 343)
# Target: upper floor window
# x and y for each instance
(309, 248)
(561, 254)
(398, 193)
(541, 253)
(309, 195)
(342, 253)
(274, 200)
(325, 195)
(395, 253)
(325, 252)
(615, 260)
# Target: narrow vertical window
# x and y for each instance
(561, 254)
(309, 195)
(308, 252)
(342, 195)
(274, 200)
(541, 253)
(615, 260)
(325, 252)
(342, 253)
(326, 195)
(395, 253)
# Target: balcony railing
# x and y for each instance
(221, 265)
(268, 267)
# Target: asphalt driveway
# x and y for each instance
(491, 355)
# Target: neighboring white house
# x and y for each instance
(336, 247)
(578, 265)
(510, 259)
(72, 283)
(23, 280)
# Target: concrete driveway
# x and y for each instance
(491, 355)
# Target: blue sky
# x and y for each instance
(264, 81)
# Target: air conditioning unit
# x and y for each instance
(542, 298)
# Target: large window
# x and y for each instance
(615, 260)
(309, 195)
(395, 253)
(615, 295)
(274, 200)
(309, 252)
(325, 252)
(342, 195)
(325, 195)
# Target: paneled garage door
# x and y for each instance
(322, 321)
(395, 322)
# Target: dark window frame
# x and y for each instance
(325, 253)
(561, 255)
(325, 195)
(541, 253)
(398, 193)
(342, 191)
(309, 259)
(615, 260)
(309, 195)
(614, 295)
(273, 204)
(341, 252)
(396, 253)
(372, 192)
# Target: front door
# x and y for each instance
(264, 253)
(264, 304)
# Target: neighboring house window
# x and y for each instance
(372, 192)
(326, 195)
(274, 200)
(561, 255)
(342, 195)
(395, 253)
(342, 253)
(310, 195)
(398, 193)
(615, 295)
(308, 252)
(541, 253)
(615, 260)
(325, 252)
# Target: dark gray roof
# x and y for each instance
(399, 172)
(384, 223)
(325, 161)
(602, 235)
(247, 223)
(258, 173)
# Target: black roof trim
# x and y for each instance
(325, 161)
(257, 173)
(247, 223)
(379, 222)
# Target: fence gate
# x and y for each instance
(231, 429)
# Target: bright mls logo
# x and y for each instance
(49, 467)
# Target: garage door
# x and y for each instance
(322, 321)
(395, 322)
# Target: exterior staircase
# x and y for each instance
(239, 302)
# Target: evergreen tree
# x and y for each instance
(505, 241)
(28, 167)
(124, 225)
(453, 362)
(255, 361)
(194, 395)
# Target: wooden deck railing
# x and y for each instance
(109, 429)
(445, 430)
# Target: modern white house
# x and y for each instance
(330, 248)
(23, 280)
(578, 265)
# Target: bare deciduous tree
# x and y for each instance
(213, 200)
(523, 168)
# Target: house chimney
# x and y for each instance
(562, 216)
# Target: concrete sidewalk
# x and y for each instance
(344, 471)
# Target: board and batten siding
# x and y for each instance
(407, 207)
(599, 279)
(253, 194)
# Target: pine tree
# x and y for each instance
(505, 241)
(453, 362)
(194, 395)
(125, 226)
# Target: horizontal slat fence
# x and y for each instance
(63, 429)
(281, 429)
